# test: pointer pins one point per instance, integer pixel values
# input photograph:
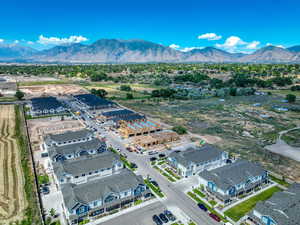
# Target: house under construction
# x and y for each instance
(156, 139)
(138, 128)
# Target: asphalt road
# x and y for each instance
(142, 216)
(174, 195)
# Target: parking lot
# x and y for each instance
(140, 216)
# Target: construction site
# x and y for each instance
(155, 139)
(52, 90)
(138, 128)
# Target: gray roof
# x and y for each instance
(95, 144)
(69, 135)
(99, 188)
(45, 103)
(232, 174)
(283, 207)
(86, 164)
(197, 155)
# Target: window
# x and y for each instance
(83, 175)
(90, 173)
(96, 171)
(76, 177)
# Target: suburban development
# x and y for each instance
(150, 112)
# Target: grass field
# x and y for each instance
(13, 201)
(240, 210)
(139, 91)
(238, 126)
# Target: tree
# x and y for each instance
(291, 98)
(99, 92)
(125, 88)
(179, 130)
(19, 94)
(129, 96)
(52, 212)
(99, 76)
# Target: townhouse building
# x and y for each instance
(194, 160)
(232, 180)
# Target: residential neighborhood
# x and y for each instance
(122, 161)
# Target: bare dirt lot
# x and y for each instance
(12, 196)
(52, 90)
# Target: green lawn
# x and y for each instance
(164, 174)
(240, 210)
(155, 189)
(199, 193)
(279, 181)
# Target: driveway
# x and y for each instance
(282, 148)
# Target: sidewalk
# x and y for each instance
(122, 212)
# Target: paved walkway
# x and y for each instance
(282, 148)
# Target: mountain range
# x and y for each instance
(140, 51)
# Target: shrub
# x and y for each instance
(180, 130)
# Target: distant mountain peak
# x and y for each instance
(142, 51)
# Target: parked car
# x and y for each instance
(161, 155)
(154, 183)
(201, 206)
(133, 165)
(163, 218)
(153, 159)
(177, 151)
(152, 153)
(215, 217)
(169, 215)
(45, 190)
(156, 220)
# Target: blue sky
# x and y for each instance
(228, 24)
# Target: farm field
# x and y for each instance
(12, 196)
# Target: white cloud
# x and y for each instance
(1, 40)
(279, 46)
(174, 46)
(30, 42)
(253, 45)
(16, 41)
(210, 36)
(236, 44)
(187, 49)
(59, 41)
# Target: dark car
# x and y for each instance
(154, 183)
(156, 220)
(177, 151)
(201, 206)
(161, 155)
(163, 218)
(215, 217)
(169, 215)
(153, 159)
(45, 190)
(134, 166)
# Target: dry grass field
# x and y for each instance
(12, 196)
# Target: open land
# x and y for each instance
(12, 196)
(237, 125)
(51, 90)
